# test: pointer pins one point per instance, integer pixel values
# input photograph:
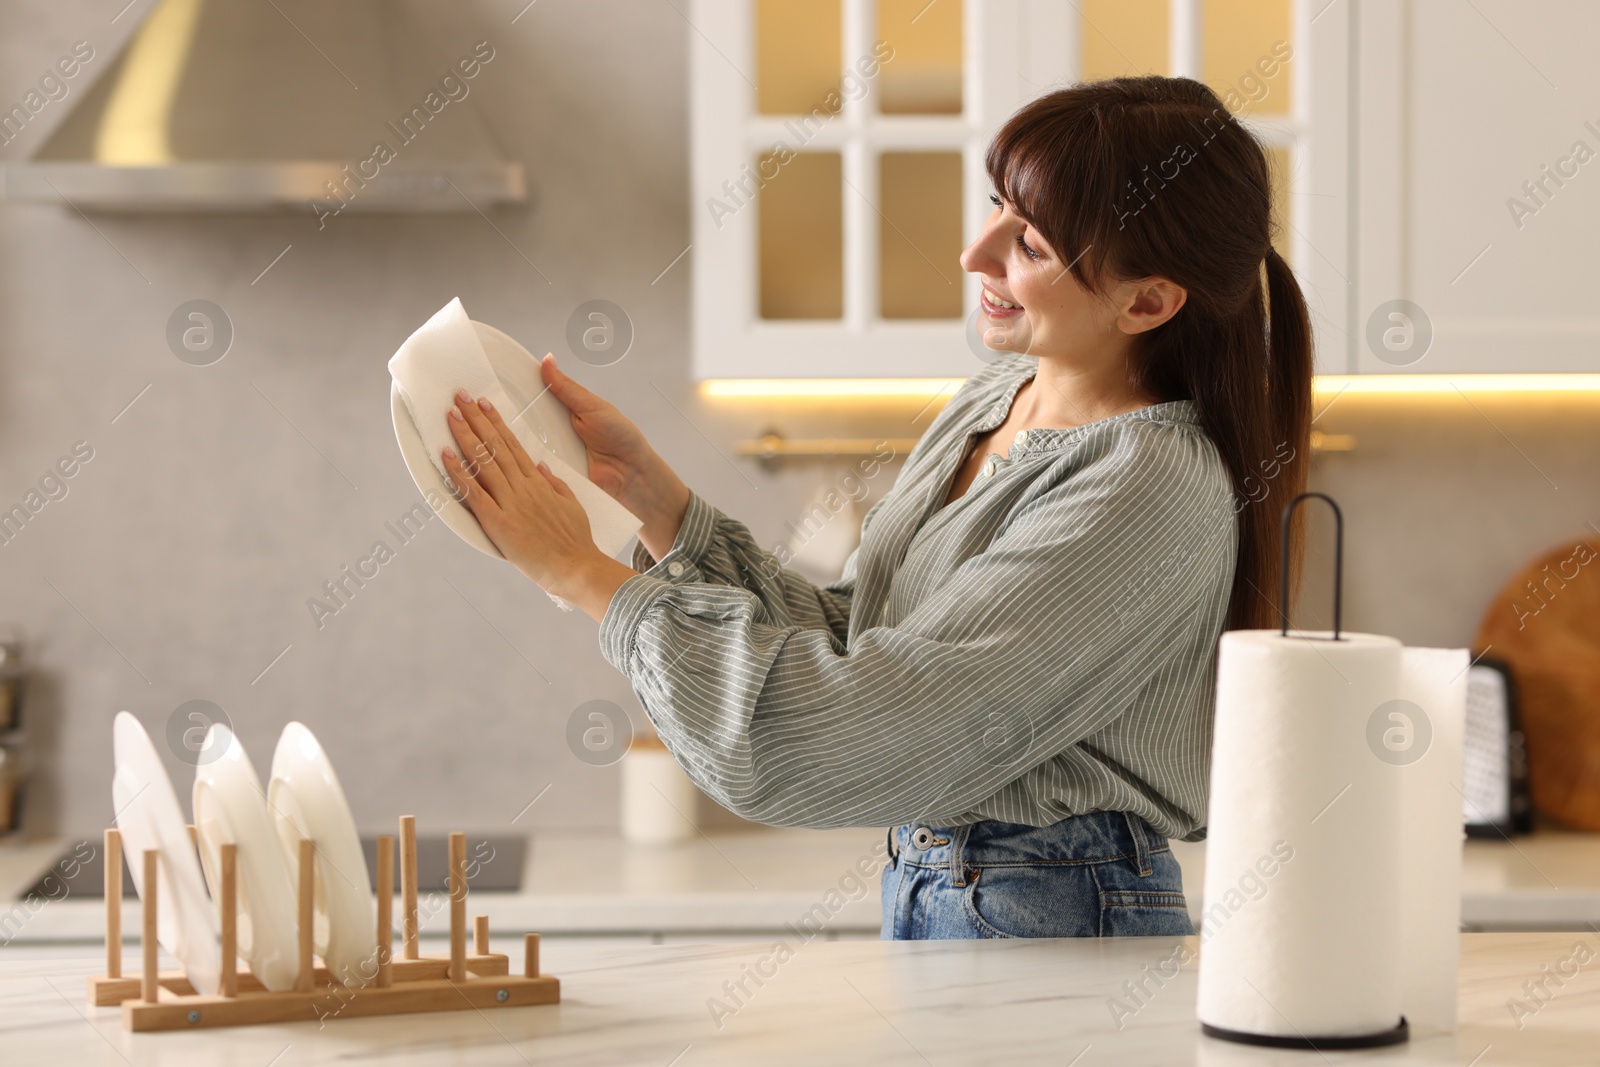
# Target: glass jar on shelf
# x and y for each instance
(11, 678)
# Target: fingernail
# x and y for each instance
(448, 454)
(483, 402)
(455, 413)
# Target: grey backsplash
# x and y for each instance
(180, 562)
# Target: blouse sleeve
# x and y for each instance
(1020, 652)
(722, 551)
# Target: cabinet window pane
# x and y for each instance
(1121, 37)
(1278, 165)
(919, 235)
(801, 236)
(798, 46)
(924, 75)
(1245, 42)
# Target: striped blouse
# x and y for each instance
(1043, 646)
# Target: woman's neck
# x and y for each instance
(1066, 394)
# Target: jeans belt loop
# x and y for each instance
(894, 846)
(1141, 844)
(958, 846)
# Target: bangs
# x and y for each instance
(1048, 163)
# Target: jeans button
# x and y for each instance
(921, 838)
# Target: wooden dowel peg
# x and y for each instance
(530, 955)
(458, 906)
(308, 859)
(228, 901)
(408, 884)
(113, 864)
(149, 988)
(480, 935)
(385, 909)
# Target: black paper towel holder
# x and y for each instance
(1398, 1035)
(1338, 565)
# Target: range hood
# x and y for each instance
(243, 105)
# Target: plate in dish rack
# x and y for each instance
(306, 801)
(230, 807)
(148, 817)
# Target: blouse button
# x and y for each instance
(1022, 437)
(675, 568)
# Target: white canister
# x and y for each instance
(659, 802)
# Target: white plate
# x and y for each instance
(548, 418)
(305, 801)
(148, 817)
(230, 807)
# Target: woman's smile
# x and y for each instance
(997, 307)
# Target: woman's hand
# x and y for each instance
(621, 461)
(532, 516)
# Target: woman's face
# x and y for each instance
(1031, 302)
(1049, 309)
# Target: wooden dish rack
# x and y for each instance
(165, 1000)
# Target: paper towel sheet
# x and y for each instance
(444, 355)
(1431, 835)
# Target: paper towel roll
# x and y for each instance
(1301, 931)
(1431, 833)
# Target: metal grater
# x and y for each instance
(1494, 786)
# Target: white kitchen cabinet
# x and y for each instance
(1478, 128)
(1433, 167)
(848, 182)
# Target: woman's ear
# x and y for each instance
(1148, 303)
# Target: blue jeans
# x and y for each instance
(1105, 874)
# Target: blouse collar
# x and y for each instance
(1023, 369)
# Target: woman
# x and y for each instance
(1017, 664)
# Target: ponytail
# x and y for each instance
(1289, 369)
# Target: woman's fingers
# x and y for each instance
(478, 459)
(478, 420)
(561, 487)
(513, 443)
(503, 447)
(465, 486)
(576, 398)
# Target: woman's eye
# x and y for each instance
(1024, 246)
(994, 199)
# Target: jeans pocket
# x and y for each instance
(1143, 914)
(1151, 905)
(1032, 900)
(969, 904)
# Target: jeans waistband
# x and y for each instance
(1097, 837)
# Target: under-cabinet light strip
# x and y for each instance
(927, 388)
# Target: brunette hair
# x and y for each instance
(1145, 177)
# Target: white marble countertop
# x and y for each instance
(884, 1003)
(759, 880)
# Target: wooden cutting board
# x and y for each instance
(1545, 625)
